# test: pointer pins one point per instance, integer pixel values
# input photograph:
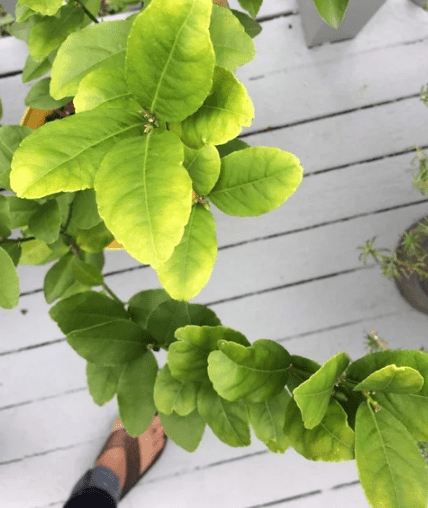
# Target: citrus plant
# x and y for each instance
(152, 145)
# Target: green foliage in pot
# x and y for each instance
(153, 144)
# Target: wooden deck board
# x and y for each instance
(292, 275)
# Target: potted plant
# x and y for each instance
(152, 145)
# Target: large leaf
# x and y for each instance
(109, 343)
(330, 441)
(189, 268)
(255, 181)
(135, 394)
(45, 7)
(5, 218)
(392, 472)
(393, 379)
(45, 223)
(63, 156)
(313, 395)
(227, 420)
(172, 314)
(105, 88)
(267, 419)
(10, 138)
(410, 409)
(251, 27)
(33, 70)
(173, 395)
(188, 357)
(232, 46)
(9, 282)
(363, 367)
(39, 97)
(153, 187)
(51, 32)
(256, 373)
(94, 239)
(103, 381)
(184, 431)
(85, 310)
(223, 114)
(203, 166)
(170, 57)
(143, 303)
(107, 43)
(85, 212)
(58, 278)
(332, 11)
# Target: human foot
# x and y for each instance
(149, 444)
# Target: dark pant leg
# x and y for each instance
(98, 488)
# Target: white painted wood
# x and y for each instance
(317, 31)
(421, 3)
(296, 280)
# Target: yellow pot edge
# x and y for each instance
(35, 118)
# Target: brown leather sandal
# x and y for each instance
(121, 438)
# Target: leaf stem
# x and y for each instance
(86, 11)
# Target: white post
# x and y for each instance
(317, 31)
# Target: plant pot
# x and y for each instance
(35, 118)
(317, 31)
(414, 289)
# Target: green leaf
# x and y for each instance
(33, 70)
(225, 111)
(85, 212)
(51, 32)
(73, 61)
(45, 222)
(22, 12)
(5, 218)
(104, 88)
(135, 394)
(170, 315)
(1, 110)
(227, 420)
(392, 472)
(410, 409)
(255, 181)
(38, 97)
(45, 7)
(9, 282)
(330, 441)
(251, 27)
(142, 304)
(85, 310)
(233, 145)
(256, 373)
(189, 268)
(173, 395)
(184, 431)
(363, 367)
(22, 30)
(188, 357)
(168, 44)
(203, 166)
(313, 395)
(103, 381)
(94, 239)
(392, 379)
(267, 419)
(232, 46)
(14, 250)
(64, 156)
(253, 6)
(87, 274)
(153, 187)
(21, 210)
(37, 252)
(301, 369)
(109, 343)
(58, 278)
(331, 11)
(10, 138)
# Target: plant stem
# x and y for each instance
(86, 11)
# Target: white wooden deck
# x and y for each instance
(350, 111)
